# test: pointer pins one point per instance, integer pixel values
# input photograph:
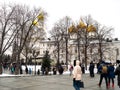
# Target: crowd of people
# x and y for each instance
(30, 69)
(107, 71)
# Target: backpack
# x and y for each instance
(104, 69)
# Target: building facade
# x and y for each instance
(110, 52)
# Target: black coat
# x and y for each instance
(111, 71)
(117, 72)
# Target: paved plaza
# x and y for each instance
(51, 82)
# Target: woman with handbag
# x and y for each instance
(77, 74)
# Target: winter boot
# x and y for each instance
(99, 85)
(108, 85)
(112, 85)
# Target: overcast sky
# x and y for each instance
(106, 12)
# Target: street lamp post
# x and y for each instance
(35, 54)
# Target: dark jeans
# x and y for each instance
(110, 80)
(101, 78)
(92, 73)
(76, 84)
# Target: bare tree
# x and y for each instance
(102, 33)
(82, 30)
(60, 35)
(86, 38)
(33, 39)
(27, 21)
(8, 29)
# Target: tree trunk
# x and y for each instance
(1, 68)
(17, 68)
(100, 51)
(58, 53)
(86, 57)
(1, 71)
(67, 53)
(78, 49)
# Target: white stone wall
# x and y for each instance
(49, 45)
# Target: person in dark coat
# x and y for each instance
(21, 71)
(111, 74)
(98, 64)
(60, 69)
(91, 69)
(83, 68)
(117, 72)
(26, 69)
(103, 75)
(43, 70)
(54, 70)
(38, 72)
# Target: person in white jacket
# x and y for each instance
(77, 75)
